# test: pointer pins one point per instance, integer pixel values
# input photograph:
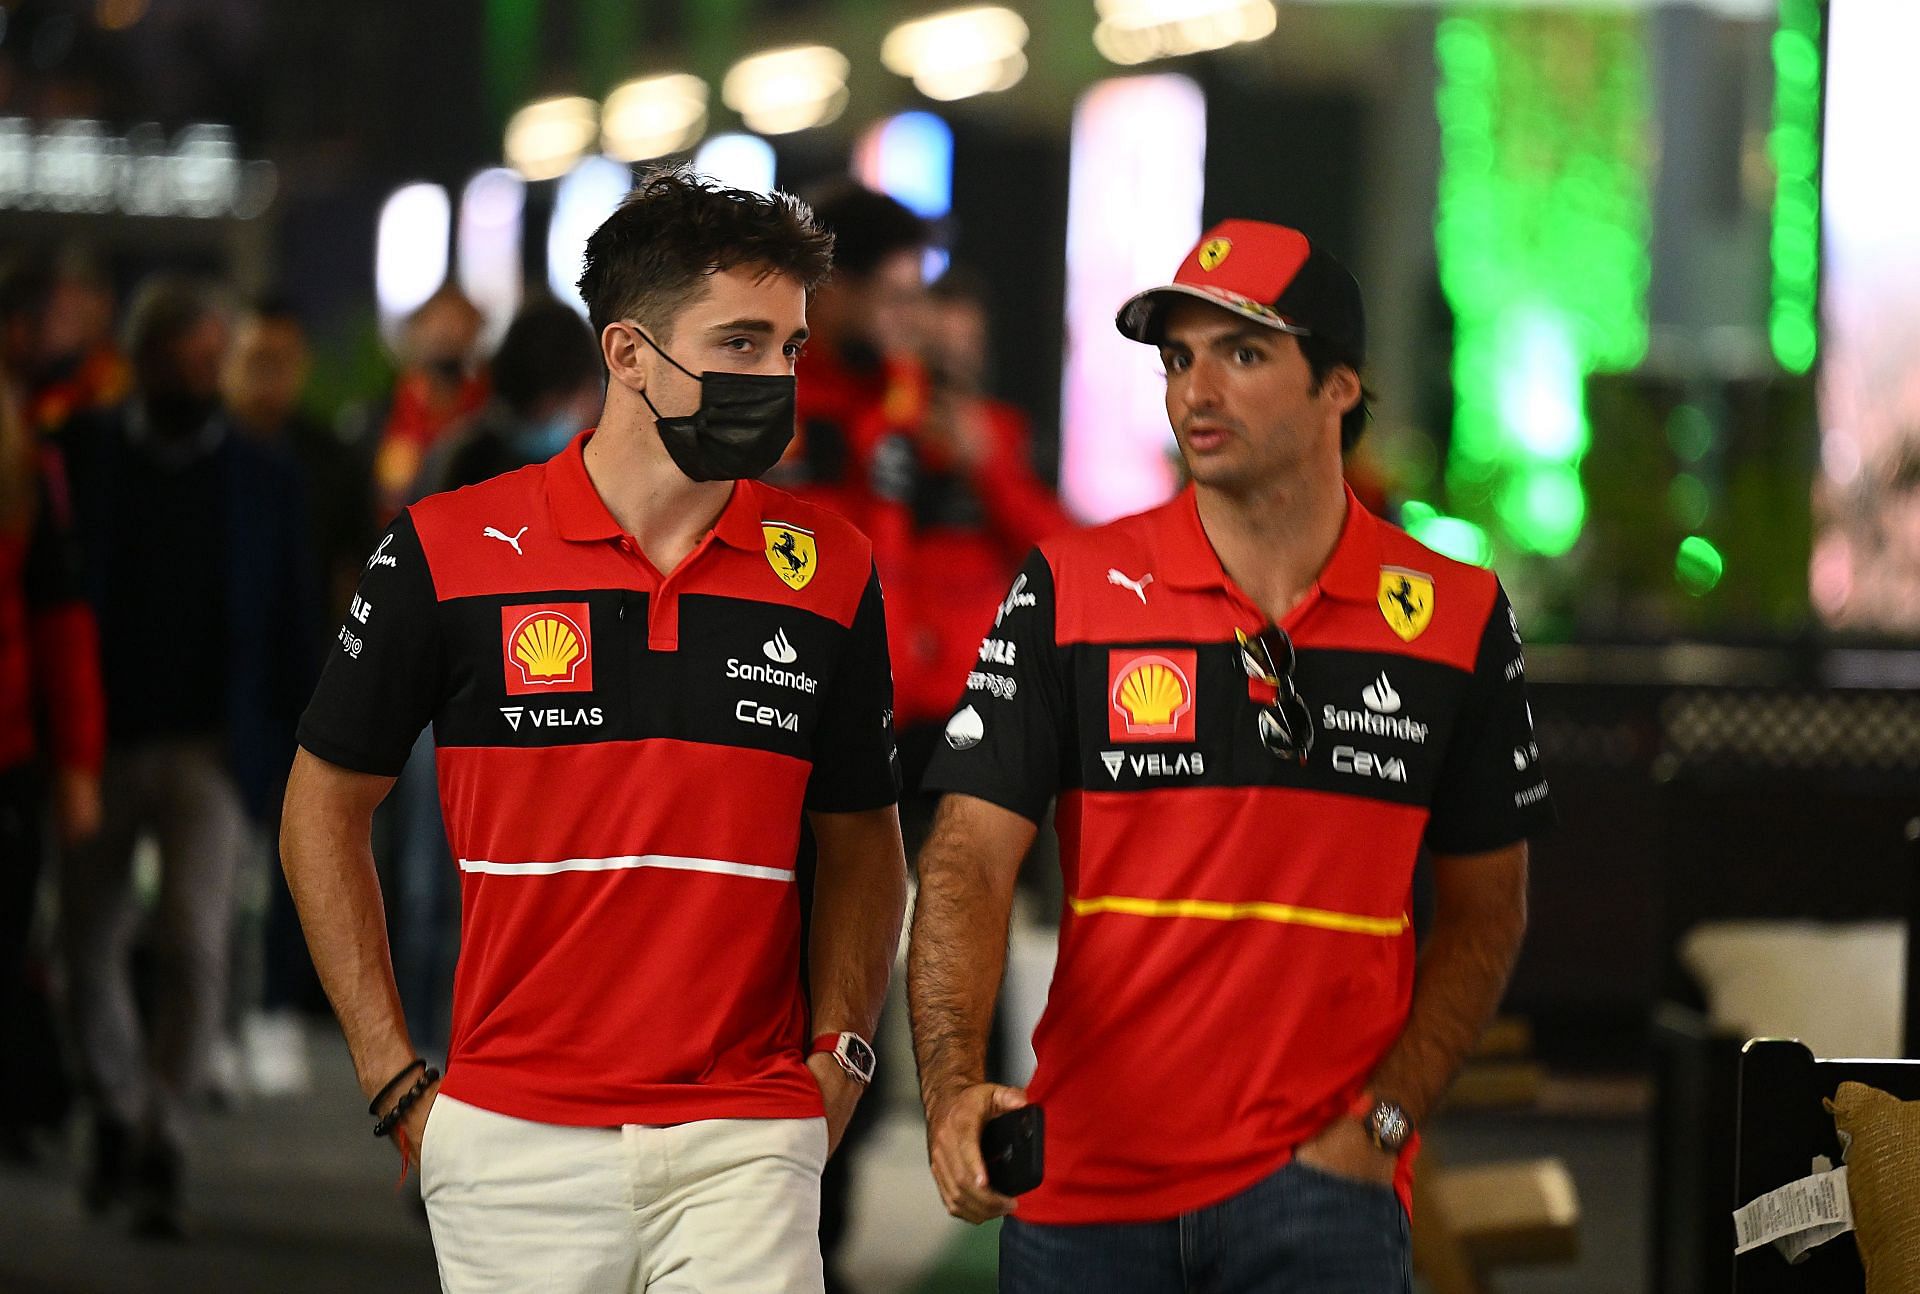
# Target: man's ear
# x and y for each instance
(1342, 385)
(625, 355)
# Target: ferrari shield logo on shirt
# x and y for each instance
(547, 648)
(1150, 695)
(1213, 251)
(1406, 600)
(791, 553)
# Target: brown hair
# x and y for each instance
(653, 254)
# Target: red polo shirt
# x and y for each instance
(624, 757)
(1236, 956)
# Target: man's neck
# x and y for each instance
(1275, 540)
(651, 498)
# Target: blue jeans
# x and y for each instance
(1298, 1230)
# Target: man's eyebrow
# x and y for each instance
(1240, 336)
(762, 327)
(743, 325)
(1235, 337)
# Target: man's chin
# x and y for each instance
(1216, 471)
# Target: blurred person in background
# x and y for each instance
(263, 384)
(547, 388)
(56, 338)
(195, 539)
(978, 507)
(1257, 705)
(442, 383)
(49, 683)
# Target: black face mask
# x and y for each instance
(742, 428)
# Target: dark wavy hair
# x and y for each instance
(1322, 358)
(653, 254)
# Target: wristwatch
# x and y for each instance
(1387, 1124)
(854, 1053)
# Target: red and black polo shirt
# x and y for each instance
(1236, 955)
(623, 760)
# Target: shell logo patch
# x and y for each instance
(547, 648)
(1213, 251)
(791, 553)
(1406, 600)
(1150, 695)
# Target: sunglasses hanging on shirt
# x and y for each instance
(1285, 724)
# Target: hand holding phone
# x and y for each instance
(1014, 1148)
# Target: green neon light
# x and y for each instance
(1542, 235)
(1698, 565)
(1688, 501)
(1794, 146)
(1456, 538)
(1461, 540)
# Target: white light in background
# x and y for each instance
(960, 52)
(487, 242)
(545, 138)
(737, 161)
(1137, 31)
(410, 252)
(780, 91)
(1133, 211)
(586, 197)
(653, 116)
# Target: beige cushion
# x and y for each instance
(1882, 1136)
(1840, 989)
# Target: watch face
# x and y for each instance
(856, 1057)
(1389, 1126)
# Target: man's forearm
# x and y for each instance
(955, 958)
(325, 850)
(859, 900)
(1462, 974)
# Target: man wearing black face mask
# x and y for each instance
(195, 538)
(644, 670)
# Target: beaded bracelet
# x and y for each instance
(373, 1106)
(391, 1119)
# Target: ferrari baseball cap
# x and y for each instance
(1270, 274)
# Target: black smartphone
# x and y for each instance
(1014, 1146)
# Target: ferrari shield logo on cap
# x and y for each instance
(1213, 251)
(1406, 600)
(791, 553)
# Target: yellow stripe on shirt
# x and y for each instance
(1213, 910)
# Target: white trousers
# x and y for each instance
(714, 1207)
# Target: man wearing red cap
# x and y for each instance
(1255, 705)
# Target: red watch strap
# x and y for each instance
(826, 1042)
(1363, 1104)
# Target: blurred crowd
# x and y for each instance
(181, 534)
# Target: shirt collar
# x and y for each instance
(581, 516)
(1187, 559)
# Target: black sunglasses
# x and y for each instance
(1284, 723)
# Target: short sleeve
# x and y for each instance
(384, 672)
(1492, 790)
(1003, 744)
(856, 765)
